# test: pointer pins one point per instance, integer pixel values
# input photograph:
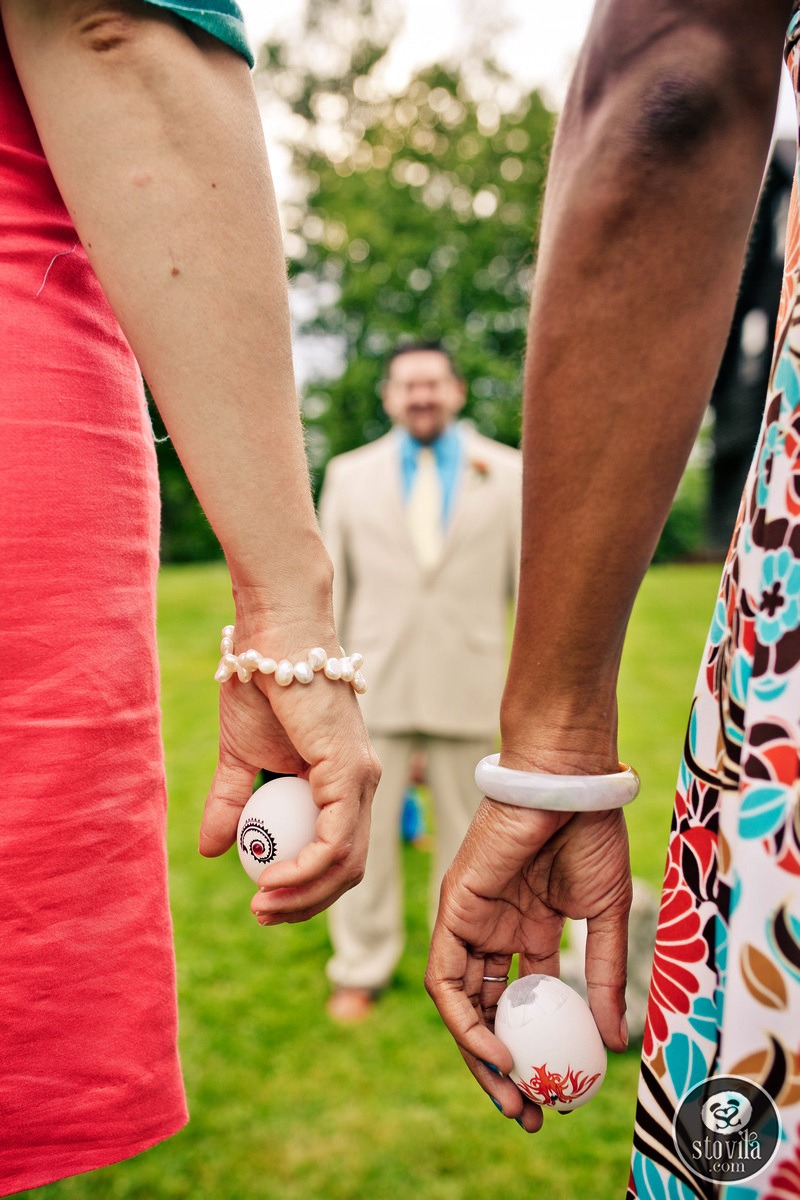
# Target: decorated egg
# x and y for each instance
(278, 820)
(559, 1056)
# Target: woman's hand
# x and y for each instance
(313, 730)
(517, 876)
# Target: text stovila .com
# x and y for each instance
(745, 1146)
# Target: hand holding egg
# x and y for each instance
(278, 820)
(559, 1057)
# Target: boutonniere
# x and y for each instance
(480, 467)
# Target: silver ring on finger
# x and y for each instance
(495, 979)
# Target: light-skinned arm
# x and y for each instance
(152, 131)
(654, 176)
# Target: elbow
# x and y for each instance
(125, 31)
(678, 117)
(105, 29)
(674, 94)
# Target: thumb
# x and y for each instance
(606, 974)
(230, 790)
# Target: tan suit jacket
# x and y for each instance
(434, 640)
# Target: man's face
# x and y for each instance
(422, 394)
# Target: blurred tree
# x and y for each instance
(186, 535)
(417, 217)
(414, 216)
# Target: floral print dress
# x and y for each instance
(725, 988)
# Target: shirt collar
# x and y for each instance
(445, 448)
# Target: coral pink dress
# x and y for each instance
(89, 1070)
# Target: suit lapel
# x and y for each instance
(387, 495)
(468, 494)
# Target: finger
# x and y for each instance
(230, 790)
(462, 1014)
(320, 874)
(531, 1118)
(493, 983)
(339, 849)
(312, 863)
(606, 971)
(343, 855)
(540, 960)
(288, 904)
(449, 967)
(278, 902)
(505, 1094)
(484, 1054)
(291, 917)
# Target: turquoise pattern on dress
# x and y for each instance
(725, 989)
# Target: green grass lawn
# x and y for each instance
(286, 1106)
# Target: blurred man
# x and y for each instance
(423, 529)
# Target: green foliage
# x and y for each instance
(417, 222)
(415, 218)
(186, 535)
(683, 534)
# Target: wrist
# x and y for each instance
(252, 662)
(554, 791)
(560, 737)
(296, 595)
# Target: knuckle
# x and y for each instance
(343, 856)
(368, 767)
(353, 872)
(357, 874)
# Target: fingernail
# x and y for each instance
(496, 1103)
(565, 1112)
(491, 1067)
(519, 1122)
(623, 1030)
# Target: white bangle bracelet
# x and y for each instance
(559, 793)
(244, 666)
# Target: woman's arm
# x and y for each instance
(655, 174)
(152, 131)
(654, 177)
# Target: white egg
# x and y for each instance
(559, 1057)
(278, 820)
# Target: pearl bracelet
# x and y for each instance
(560, 793)
(245, 665)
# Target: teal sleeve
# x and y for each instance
(222, 18)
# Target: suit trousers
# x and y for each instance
(366, 924)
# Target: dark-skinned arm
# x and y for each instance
(654, 177)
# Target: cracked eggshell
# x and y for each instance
(278, 820)
(559, 1057)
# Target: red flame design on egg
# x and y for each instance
(551, 1087)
